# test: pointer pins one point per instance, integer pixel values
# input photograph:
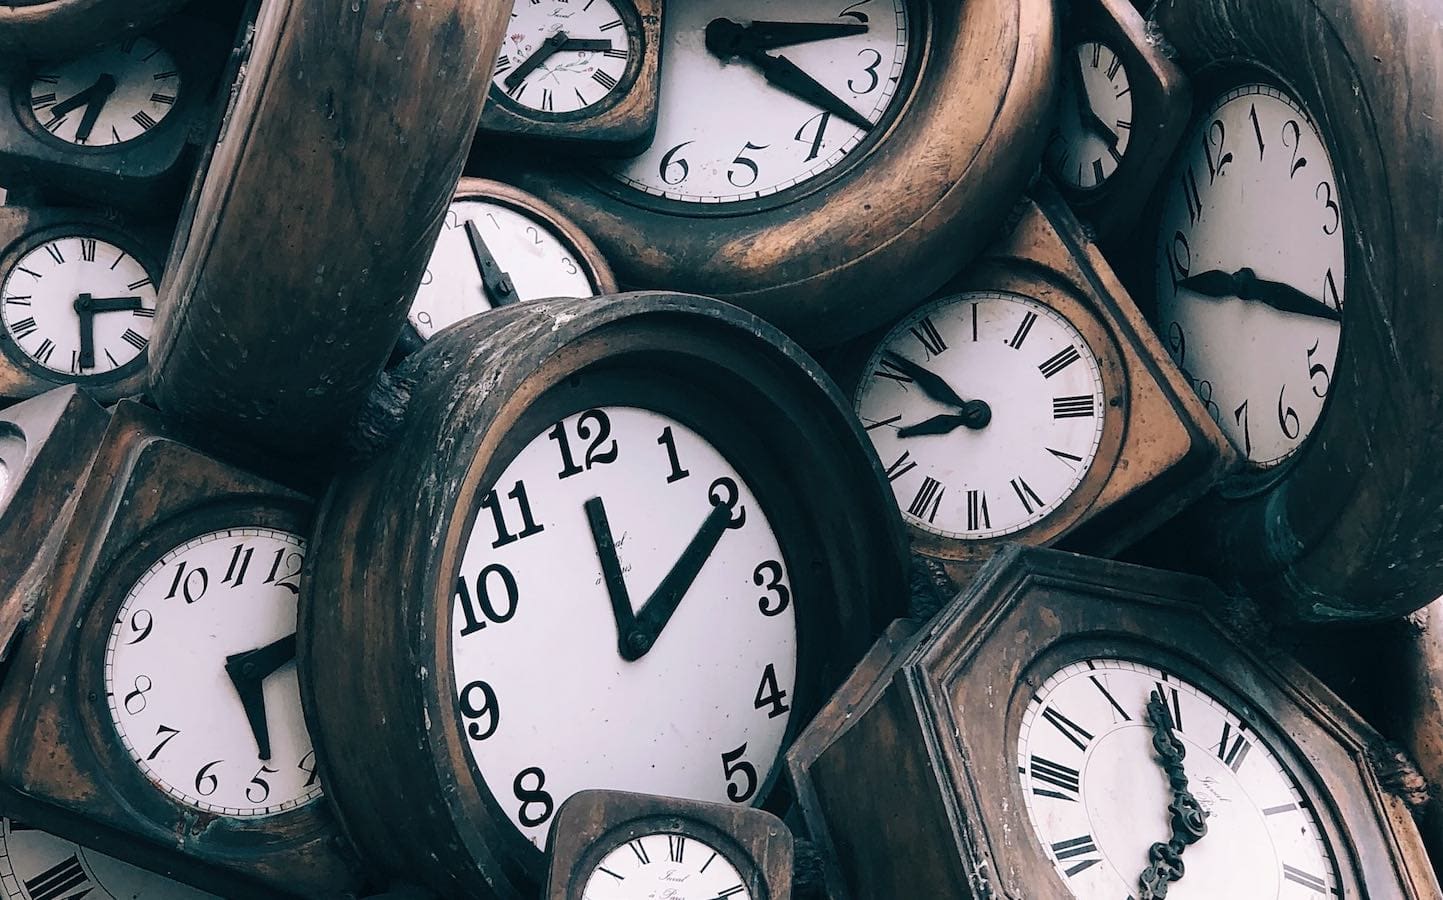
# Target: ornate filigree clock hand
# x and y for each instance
(1246, 285)
(104, 87)
(771, 35)
(1189, 821)
(498, 285)
(722, 42)
(534, 61)
(248, 671)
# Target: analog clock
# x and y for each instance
(773, 118)
(559, 57)
(499, 246)
(46, 29)
(618, 503)
(1094, 124)
(1134, 746)
(109, 96)
(35, 865)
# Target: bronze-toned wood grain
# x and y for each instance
(42, 29)
(378, 624)
(1352, 528)
(941, 724)
(292, 272)
(593, 823)
(61, 757)
(623, 124)
(859, 246)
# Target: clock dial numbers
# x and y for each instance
(200, 674)
(1097, 793)
(562, 57)
(745, 115)
(78, 306)
(1250, 269)
(1094, 125)
(531, 262)
(35, 865)
(694, 623)
(665, 865)
(992, 436)
(113, 95)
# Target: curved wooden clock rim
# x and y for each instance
(1341, 535)
(61, 27)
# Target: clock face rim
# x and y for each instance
(631, 20)
(109, 592)
(921, 33)
(623, 380)
(1069, 48)
(77, 227)
(648, 824)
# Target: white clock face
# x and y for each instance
(665, 865)
(113, 95)
(560, 56)
(35, 865)
(724, 134)
(702, 712)
(535, 261)
(1250, 273)
(43, 306)
(4, 485)
(955, 471)
(12, 459)
(180, 709)
(1094, 124)
(1098, 797)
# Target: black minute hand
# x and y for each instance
(722, 42)
(1246, 285)
(498, 285)
(771, 35)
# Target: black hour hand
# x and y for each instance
(771, 35)
(1246, 285)
(500, 290)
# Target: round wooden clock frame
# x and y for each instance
(39, 29)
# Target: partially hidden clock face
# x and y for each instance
(200, 674)
(1094, 122)
(665, 865)
(113, 95)
(1250, 273)
(561, 57)
(35, 865)
(986, 409)
(575, 535)
(1098, 797)
(725, 135)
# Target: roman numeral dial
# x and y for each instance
(665, 865)
(41, 866)
(987, 411)
(563, 56)
(113, 95)
(1094, 122)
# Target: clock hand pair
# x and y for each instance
(92, 98)
(248, 672)
(1189, 821)
(1245, 284)
(636, 633)
(551, 46)
(498, 285)
(975, 414)
(724, 41)
(86, 307)
(1086, 114)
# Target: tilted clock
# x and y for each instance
(656, 494)
(39, 29)
(35, 865)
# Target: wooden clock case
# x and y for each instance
(40, 29)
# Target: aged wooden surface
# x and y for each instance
(1354, 528)
(940, 726)
(370, 622)
(63, 767)
(38, 29)
(880, 232)
(593, 823)
(338, 141)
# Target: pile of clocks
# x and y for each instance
(474, 450)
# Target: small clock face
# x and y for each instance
(727, 133)
(560, 57)
(1098, 796)
(566, 561)
(665, 865)
(35, 865)
(200, 674)
(1250, 269)
(986, 408)
(1095, 121)
(78, 306)
(111, 96)
(528, 256)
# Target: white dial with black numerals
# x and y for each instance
(110, 96)
(200, 674)
(668, 865)
(986, 411)
(1097, 794)
(727, 132)
(78, 306)
(1250, 269)
(1094, 123)
(35, 865)
(621, 547)
(561, 56)
(490, 255)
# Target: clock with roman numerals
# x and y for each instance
(36, 865)
(583, 73)
(77, 301)
(657, 492)
(1136, 747)
(1020, 404)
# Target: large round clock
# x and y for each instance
(635, 555)
(809, 154)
